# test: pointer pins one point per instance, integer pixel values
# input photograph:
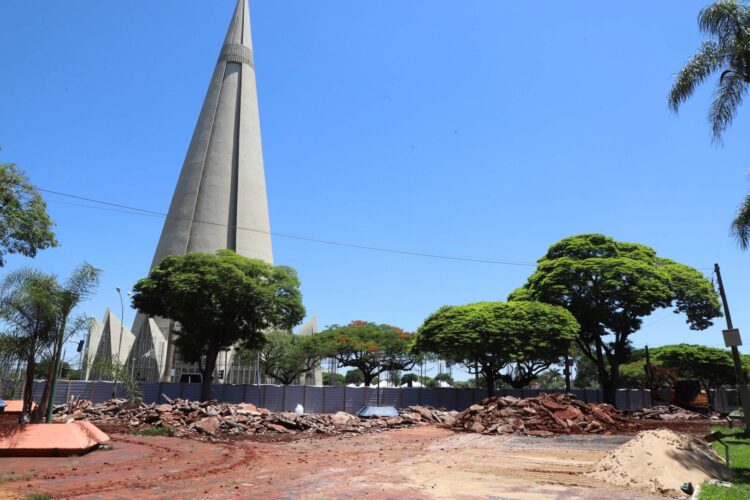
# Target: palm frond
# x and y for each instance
(708, 59)
(728, 95)
(740, 228)
(723, 19)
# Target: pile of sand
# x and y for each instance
(660, 461)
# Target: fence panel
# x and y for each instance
(332, 399)
(172, 390)
(356, 398)
(273, 397)
(314, 399)
(295, 395)
(151, 392)
(234, 393)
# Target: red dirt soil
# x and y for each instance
(421, 462)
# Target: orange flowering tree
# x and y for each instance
(370, 347)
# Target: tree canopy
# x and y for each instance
(25, 227)
(285, 357)
(610, 286)
(711, 366)
(508, 341)
(370, 347)
(219, 301)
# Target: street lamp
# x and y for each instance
(119, 345)
(122, 313)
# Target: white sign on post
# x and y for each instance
(732, 337)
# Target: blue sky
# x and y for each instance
(485, 129)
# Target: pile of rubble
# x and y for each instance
(213, 419)
(670, 412)
(544, 415)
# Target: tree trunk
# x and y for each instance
(41, 408)
(368, 376)
(609, 383)
(208, 374)
(28, 387)
(490, 381)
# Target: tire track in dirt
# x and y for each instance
(225, 461)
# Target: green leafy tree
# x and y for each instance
(444, 377)
(25, 227)
(586, 374)
(336, 379)
(727, 52)
(219, 301)
(285, 356)
(711, 366)
(409, 379)
(609, 287)
(66, 370)
(633, 375)
(512, 342)
(551, 379)
(355, 377)
(370, 347)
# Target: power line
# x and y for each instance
(141, 211)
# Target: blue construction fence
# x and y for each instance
(327, 399)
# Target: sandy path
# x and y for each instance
(424, 462)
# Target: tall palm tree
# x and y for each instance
(28, 316)
(37, 317)
(77, 288)
(741, 224)
(727, 22)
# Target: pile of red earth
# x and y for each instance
(544, 415)
(211, 419)
(670, 412)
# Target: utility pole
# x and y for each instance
(732, 339)
(566, 371)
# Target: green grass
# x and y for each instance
(154, 431)
(4, 478)
(739, 461)
(38, 496)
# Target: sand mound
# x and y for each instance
(660, 461)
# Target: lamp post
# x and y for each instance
(122, 313)
(119, 345)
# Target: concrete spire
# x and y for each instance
(220, 200)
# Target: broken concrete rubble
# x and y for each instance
(543, 416)
(212, 420)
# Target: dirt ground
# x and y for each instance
(421, 462)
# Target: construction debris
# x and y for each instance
(666, 413)
(211, 419)
(543, 416)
